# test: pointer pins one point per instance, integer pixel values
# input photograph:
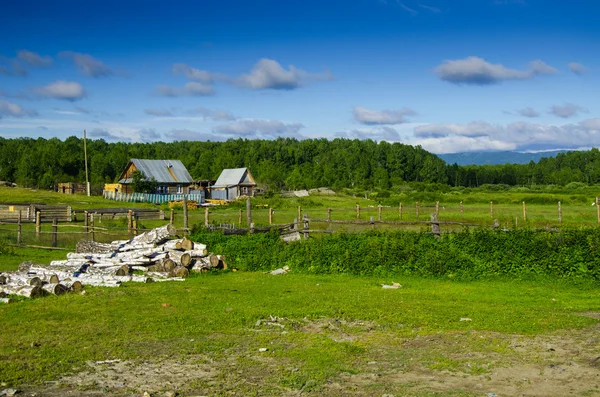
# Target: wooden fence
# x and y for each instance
(30, 212)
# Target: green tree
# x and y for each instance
(141, 184)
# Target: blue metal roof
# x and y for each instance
(163, 171)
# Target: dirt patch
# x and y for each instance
(125, 378)
(463, 363)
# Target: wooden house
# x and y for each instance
(171, 176)
(233, 183)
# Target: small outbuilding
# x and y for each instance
(233, 183)
(171, 176)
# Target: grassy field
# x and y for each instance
(324, 335)
(334, 335)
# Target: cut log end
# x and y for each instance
(187, 244)
(179, 271)
(122, 271)
(169, 265)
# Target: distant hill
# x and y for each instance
(481, 158)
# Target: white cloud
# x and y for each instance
(191, 88)
(528, 112)
(159, 112)
(477, 71)
(381, 117)
(66, 90)
(473, 129)
(578, 68)
(269, 74)
(126, 134)
(193, 73)
(88, 65)
(567, 110)
(9, 109)
(455, 144)
(34, 59)
(380, 133)
(190, 135)
(449, 138)
(260, 129)
(212, 114)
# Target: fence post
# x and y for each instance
(559, 213)
(251, 227)
(38, 223)
(135, 224)
(524, 211)
(461, 208)
(19, 231)
(70, 213)
(328, 214)
(435, 225)
(306, 224)
(496, 224)
(400, 211)
(55, 232)
(417, 208)
(240, 217)
(270, 216)
(92, 227)
(437, 208)
(357, 211)
(491, 209)
(172, 216)
(129, 220)
(86, 219)
(372, 222)
(185, 214)
(249, 211)
(206, 220)
(299, 213)
(379, 207)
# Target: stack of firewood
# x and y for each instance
(151, 256)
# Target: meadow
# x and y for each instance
(519, 315)
(323, 334)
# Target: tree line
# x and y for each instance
(281, 163)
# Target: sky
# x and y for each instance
(449, 75)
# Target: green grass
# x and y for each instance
(333, 324)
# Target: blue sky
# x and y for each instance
(451, 76)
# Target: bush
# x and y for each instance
(469, 255)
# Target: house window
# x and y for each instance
(179, 189)
(244, 190)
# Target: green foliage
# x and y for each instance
(141, 184)
(481, 253)
(282, 163)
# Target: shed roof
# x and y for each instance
(235, 176)
(163, 171)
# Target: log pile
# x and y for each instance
(149, 257)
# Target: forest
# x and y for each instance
(282, 163)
